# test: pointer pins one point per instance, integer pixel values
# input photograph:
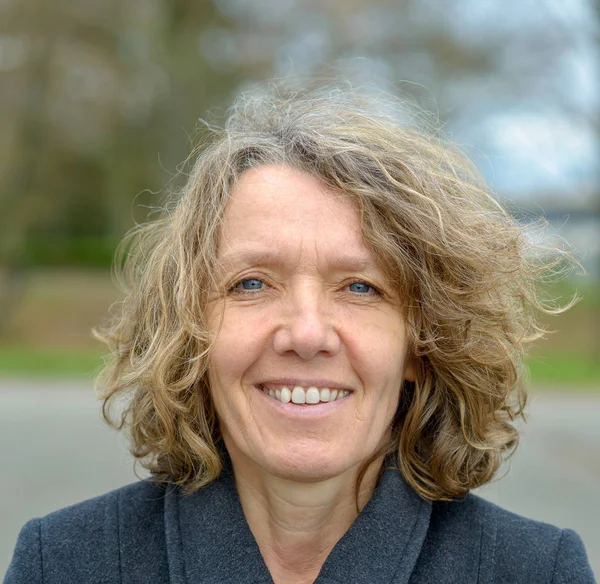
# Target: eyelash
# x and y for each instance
(233, 289)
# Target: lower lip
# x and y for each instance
(312, 411)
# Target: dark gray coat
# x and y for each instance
(146, 534)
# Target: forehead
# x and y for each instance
(271, 190)
(278, 210)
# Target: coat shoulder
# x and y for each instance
(135, 500)
(93, 541)
(512, 548)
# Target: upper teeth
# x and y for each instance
(309, 395)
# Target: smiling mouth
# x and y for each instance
(304, 395)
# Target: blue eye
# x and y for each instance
(361, 288)
(251, 284)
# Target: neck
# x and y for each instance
(297, 524)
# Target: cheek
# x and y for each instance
(231, 346)
(224, 377)
(383, 349)
(223, 369)
(236, 348)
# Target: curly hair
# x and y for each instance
(464, 267)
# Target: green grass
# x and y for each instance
(560, 369)
(18, 361)
(575, 371)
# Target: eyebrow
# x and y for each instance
(265, 257)
(250, 257)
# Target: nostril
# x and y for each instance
(306, 339)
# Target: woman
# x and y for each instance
(321, 345)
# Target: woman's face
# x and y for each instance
(307, 315)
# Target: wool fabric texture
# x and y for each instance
(147, 533)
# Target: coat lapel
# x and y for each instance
(384, 542)
(209, 541)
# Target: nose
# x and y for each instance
(307, 325)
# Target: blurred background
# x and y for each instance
(99, 104)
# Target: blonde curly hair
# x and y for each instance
(462, 264)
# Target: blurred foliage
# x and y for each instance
(93, 114)
(61, 249)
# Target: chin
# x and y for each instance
(310, 464)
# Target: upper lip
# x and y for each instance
(305, 382)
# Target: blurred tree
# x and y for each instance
(95, 102)
(23, 116)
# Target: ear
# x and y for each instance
(410, 368)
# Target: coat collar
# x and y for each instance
(209, 540)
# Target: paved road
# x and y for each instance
(56, 451)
